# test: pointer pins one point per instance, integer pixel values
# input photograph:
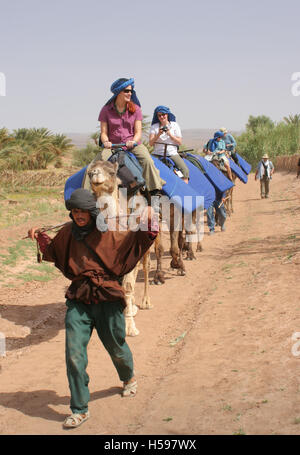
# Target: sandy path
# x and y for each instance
(233, 316)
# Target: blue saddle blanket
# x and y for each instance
(238, 171)
(244, 164)
(74, 182)
(175, 187)
(214, 175)
(184, 196)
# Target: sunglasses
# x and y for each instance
(160, 114)
(127, 90)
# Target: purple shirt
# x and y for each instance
(120, 126)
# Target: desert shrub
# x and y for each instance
(30, 149)
(82, 157)
(275, 140)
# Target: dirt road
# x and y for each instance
(214, 356)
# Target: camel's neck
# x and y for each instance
(112, 205)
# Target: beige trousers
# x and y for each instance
(264, 187)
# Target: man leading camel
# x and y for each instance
(94, 261)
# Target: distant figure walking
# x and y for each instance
(264, 172)
(298, 171)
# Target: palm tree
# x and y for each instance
(292, 119)
(32, 148)
(4, 137)
(62, 143)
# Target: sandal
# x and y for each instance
(74, 420)
(130, 389)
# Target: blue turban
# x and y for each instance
(213, 142)
(163, 110)
(119, 85)
(218, 134)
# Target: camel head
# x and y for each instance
(103, 177)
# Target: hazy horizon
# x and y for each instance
(214, 64)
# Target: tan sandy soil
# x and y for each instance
(214, 355)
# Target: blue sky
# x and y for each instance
(213, 63)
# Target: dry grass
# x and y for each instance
(48, 178)
(286, 163)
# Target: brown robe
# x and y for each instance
(119, 251)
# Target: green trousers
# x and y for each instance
(108, 319)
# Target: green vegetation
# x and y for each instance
(262, 135)
(14, 264)
(82, 157)
(23, 204)
(18, 205)
(41, 272)
(33, 148)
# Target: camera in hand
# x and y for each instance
(164, 128)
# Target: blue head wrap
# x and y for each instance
(119, 85)
(213, 142)
(163, 110)
(218, 134)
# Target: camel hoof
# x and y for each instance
(146, 304)
(158, 278)
(190, 258)
(131, 330)
(181, 272)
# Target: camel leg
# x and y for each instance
(199, 220)
(176, 262)
(177, 243)
(231, 201)
(190, 256)
(131, 309)
(199, 248)
(159, 274)
(146, 303)
(192, 235)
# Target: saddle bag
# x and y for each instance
(130, 171)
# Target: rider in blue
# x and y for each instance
(218, 148)
(230, 144)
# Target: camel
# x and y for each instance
(104, 184)
(228, 203)
(177, 226)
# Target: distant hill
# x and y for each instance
(80, 140)
(192, 138)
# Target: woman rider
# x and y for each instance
(121, 122)
(165, 130)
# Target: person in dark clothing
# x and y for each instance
(94, 260)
